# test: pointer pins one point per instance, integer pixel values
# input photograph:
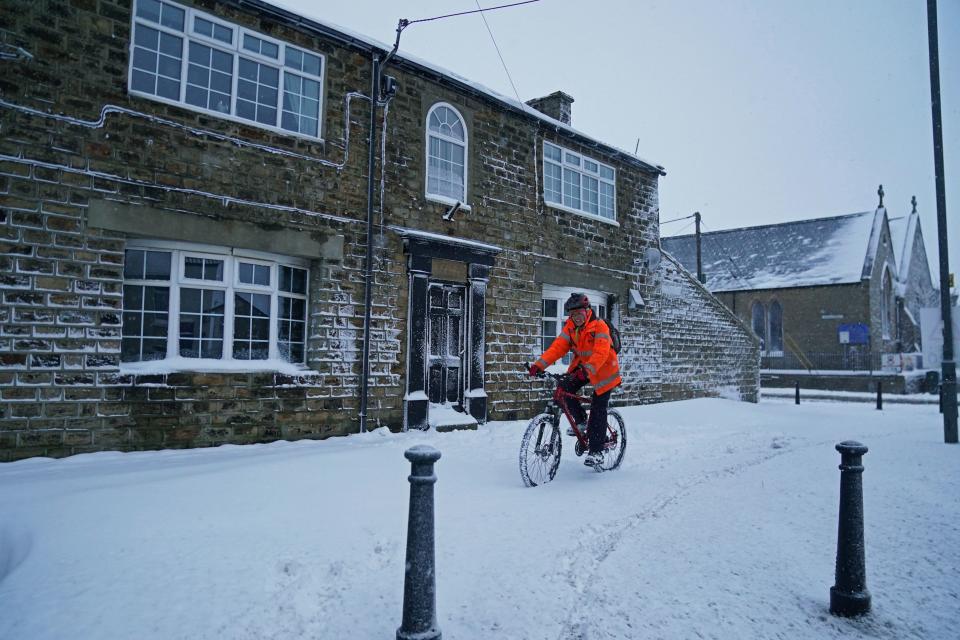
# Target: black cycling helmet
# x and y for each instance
(576, 301)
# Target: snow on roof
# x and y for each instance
(821, 251)
(902, 232)
(513, 103)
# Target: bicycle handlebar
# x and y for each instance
(545, 374)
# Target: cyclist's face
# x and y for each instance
(579, 316)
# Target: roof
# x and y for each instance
(358, 41)
(816, 252)
(903, 229)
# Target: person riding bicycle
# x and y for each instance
(594, 361)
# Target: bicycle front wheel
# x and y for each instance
(616, 444)
(540, 451)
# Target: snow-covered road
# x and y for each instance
(721, 523)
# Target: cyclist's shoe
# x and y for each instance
(582, 426)
(594, 460)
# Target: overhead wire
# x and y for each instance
(495, 46)
(463, 13)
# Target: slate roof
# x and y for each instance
(817, 252)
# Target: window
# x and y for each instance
(446, 155)
(553, 317)
(193, 59)
(776, 329)
(887, 305)
(574, 181)
(211, 303)
(760, 324)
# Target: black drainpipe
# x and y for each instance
(368, 269)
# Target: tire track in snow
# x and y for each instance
(608, 536)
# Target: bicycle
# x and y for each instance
(541, 446)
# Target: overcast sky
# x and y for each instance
(761, 111)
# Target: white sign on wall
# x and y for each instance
(931, 333)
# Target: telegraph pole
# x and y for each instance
(949, 365)
(700, 278)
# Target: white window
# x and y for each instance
(553, 317)
(446, 155)
(212, 303)
(191, 58)
(575, 182)
(887, 304)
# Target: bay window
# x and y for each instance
(187, 57)
(203, 303)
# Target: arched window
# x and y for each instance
(759, 323)
(887, 305)
(776, 328)
(446, 154)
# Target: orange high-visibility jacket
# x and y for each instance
(591, 348)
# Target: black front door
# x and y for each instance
(446, 343)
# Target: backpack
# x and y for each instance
(615, 342)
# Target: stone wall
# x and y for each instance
(85, 167)
(707, 351)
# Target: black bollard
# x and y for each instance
(420, 585)
(797, 389)
(941, 398)
(880, 394)
(849, 596)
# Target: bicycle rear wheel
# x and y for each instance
(540, 451)
(616, 444)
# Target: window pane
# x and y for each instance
(590, 195)
(149, 10)
(172, 17)
(551, 152)
(607, 200)
(571, 188)
(157, 61)
(293, 280)
(137, 323)
(133, 264)
(550, 308)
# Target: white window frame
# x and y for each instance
(577, 162)
(230, 285)
(436, 197)
(598, 300)
(236, 50)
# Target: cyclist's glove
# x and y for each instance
(536, 369)
(579, 376)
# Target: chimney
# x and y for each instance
(556, 105)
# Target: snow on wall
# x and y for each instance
(707, 351)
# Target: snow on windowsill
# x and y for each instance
(208, 365)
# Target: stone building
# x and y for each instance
(822, 293)
(183, 237)
(915, 288)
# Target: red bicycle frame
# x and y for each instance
(559, 395)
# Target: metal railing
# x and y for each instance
(848, 360)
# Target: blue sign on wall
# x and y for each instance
(854, 333)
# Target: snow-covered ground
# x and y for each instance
(721, 523)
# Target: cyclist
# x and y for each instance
(594, 361)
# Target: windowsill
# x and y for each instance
(208, 365)
(447, 201)
(582, 214)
